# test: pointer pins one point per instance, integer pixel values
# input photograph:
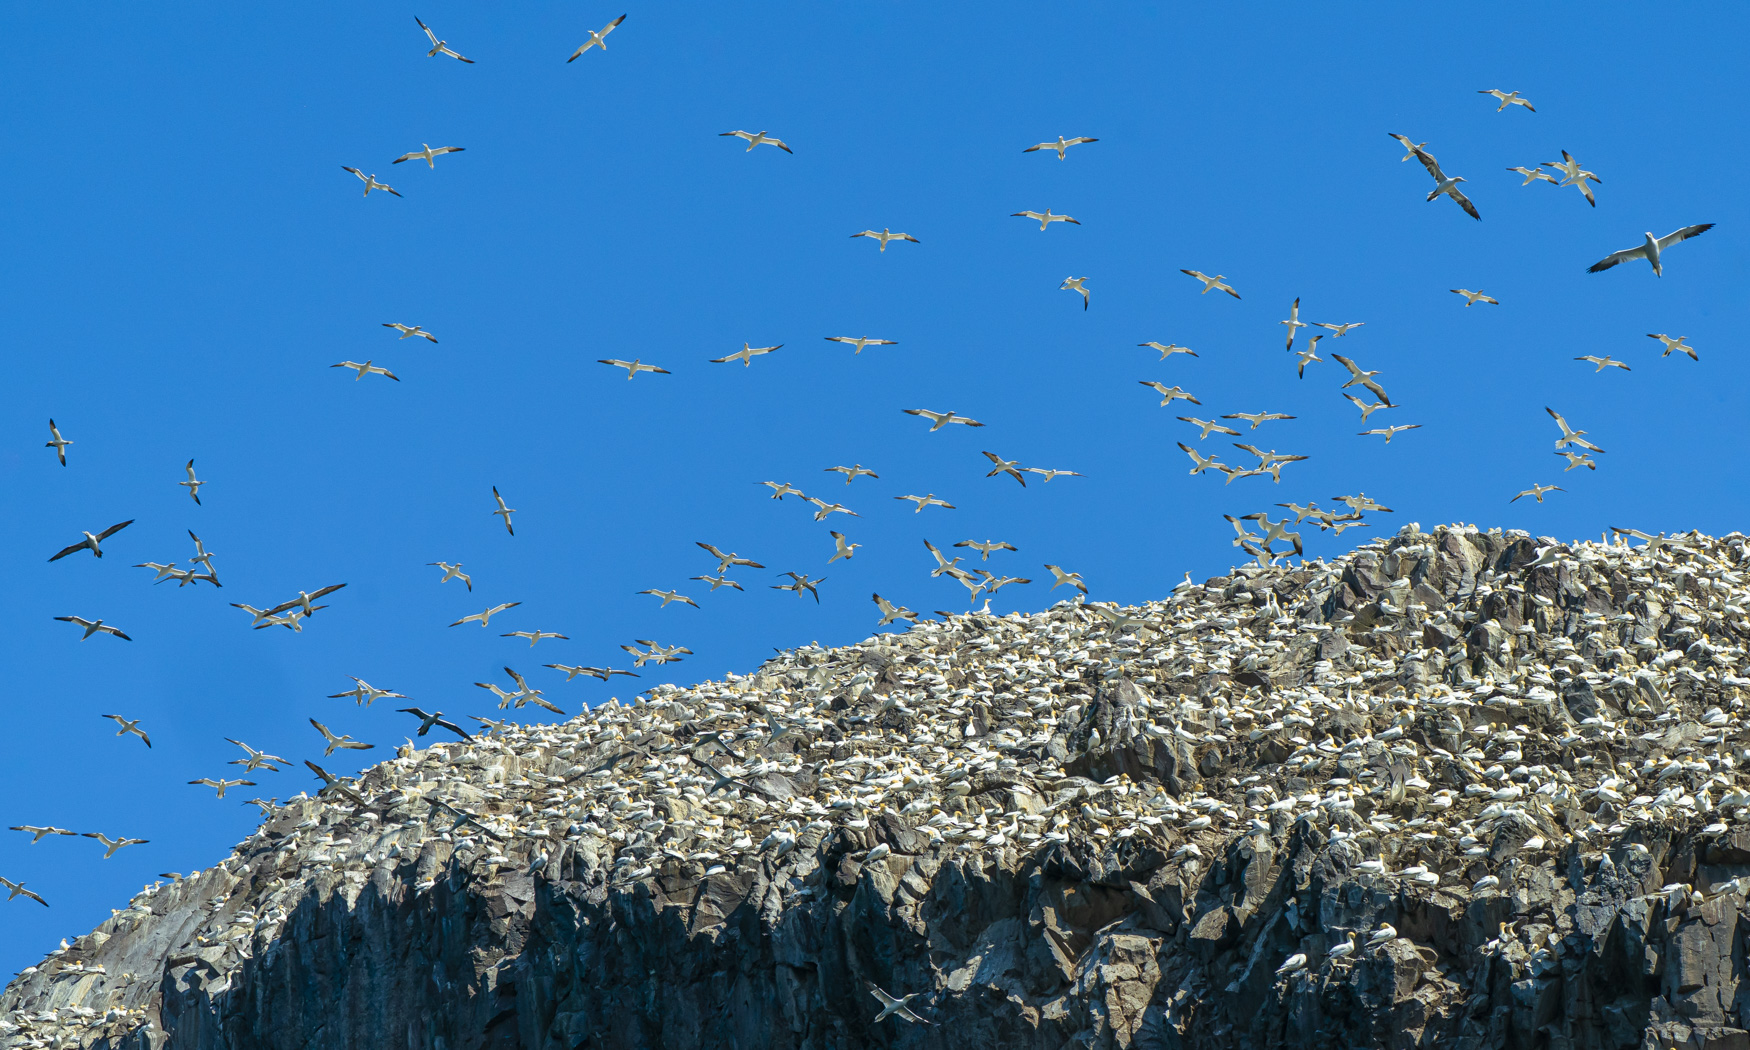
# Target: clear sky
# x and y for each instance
(185, 259)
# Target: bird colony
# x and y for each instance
(1448, 717)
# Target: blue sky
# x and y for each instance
(186, 259)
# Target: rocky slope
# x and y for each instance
(1444, 791)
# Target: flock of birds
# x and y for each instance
(961, 675)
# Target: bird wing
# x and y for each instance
(81, 545)
(1427, 160)
(1464, 202)
(1613, 258)
(429, 34)
(1683, 235)
(1377, 391)
(113, 529)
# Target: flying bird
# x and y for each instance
(435, 719)
(410, 329)
(91, 542)
(1508, 98)
(727, 561)
(430, 156)
(852, 473)
(826, 508)
(193, 484)
(1534, 174)
(1339, 330)
(1308, 354)
(860, 341)
(453, 572)
(801, 583)
(928, 500)
(1169, 394)
(1210, 283)
(129, 725)
(37, 834)
(1208, 426)
(366, 369)
(57, 442)
(746, 354)
(1356, 375)
(1076, 284)
(439, 47)
(666, 596)
(891, 612)
(1074, 579)
(716, 581)
(1366, 409)
(1570, 436)
(1537, 492)
(1011, 467)
(1472, 298)
(632, 367)
(344, 742)
(253, 759)
(1410, 148)
(1577, 459)
(595, 40)
(1603, 362)
(370, 182)
(504, 512)
(1391, 431)
(1048, 474)
(93, 627)
(1674, 344)
(896, 1007)
(1061, 145)
(603, 673)
(1576, 176)
(886, 235)
(759, 138)
(112, 845)
(541, 636)
(1257, 419)
(842, 548)
(1045, 218)
(938, 420)
(1442, 182)
(986, 548)
(303, 600)
(16, 889)
(1201, 462)
(223, 784)
(485, 618)
(1650, 249)
(780, 489)
(1169, 349)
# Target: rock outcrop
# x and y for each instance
(1459, 789)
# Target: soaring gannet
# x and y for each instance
(1674, 344)
(603, 673)
(1074, 579)
(1061, 145)
(595, 40)
(93, 627)
(895, 1007)
(129, 725)
(1048, 473)
(1257, 419)
(439, 47)
(16, 889)
(437, 719)
(758, 138)
(666, 596)
(1307, 355)
(1534, 174)
(633, 367)
(1366, 409)
(370, 182)
(92, 543)
(886, 235)
(1570, 436)
(852, 473)
(1575, 176)
(725, 562)
(860, 341)
(1169, 394)
(111, 845)
(37, 834)
(938, 420)
(891, 612)
(746, 354)
(1208, 426)
(826, 508)
(1603, 362)
(253, 759)
(1210, 284)
(1391, 431)
(303, 600)
(346, 742)
(410, 330)
(1044, 218)
(484, 618)
(1651, 249)
(1356, 375)
(986, 548)
(1169, 349)
(57, 442)
(1442, 183)
(1508, 98)
(1076, 284)
(1293, 321)
(1537, 492)
(1011, 467)
(193, 484)
(1200, 462)
(716, 581)
(366, 368)
(222, 784)
(503, 511)
(929, 500)
(799, 584)
(841, 547)
(453, 572)
(1339, 330)
(1472, 298)
(429, 154)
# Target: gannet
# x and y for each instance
(1076, 284)
(986, 547)
(1257, 419)
(503, 511)
(1674, 344)
(222, 784)
(780, 489)
(253, 759)
(370, 182)
(409, 330)
(1390, 431)
(758, 138)
(891, 1006)
(1604, 362)
(129, 725)
(485, 617)
(861, 341)
(799, 584)
(1048, 473)
(541, 636)
(1074, 579)
(1443, 183)
(716, 581)
(1208, 426)
(938, 420)
(842, 548)
(1061, 145)
(746, 354)
(1366, 409)
(1294, 962)
(1169, 349)
(1201, 462)
(670, 596)
(1537, 492)
(999, 465)
(1169, 394)
(891, 612)
(1410, 148)
(1570, 436)
(37, 834)
(633, 367)
(93, 543)
(57, 442)
(826, 508)
(439, 47)
(1576, 176)
(16, 889)
(303, 600)
(93, 627)
(436, 718)
(1577, 459)
(727, 561)
(429, 155)
(1472, 298)
(1508, 98)
(886, 235)
(1339, 330)
(366, 368)
(928, 500)
(346, 742)
(1045, 218)
(1294, 322)
(1308, 354)
(595, 40)
(852, 473)
(453, 572)
(1650, 249)
(603, 673)
(1356, 375)
(1210, 283)
(111, 845)
(1534, 174)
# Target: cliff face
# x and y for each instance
(1502, 785)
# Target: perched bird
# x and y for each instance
(439, 47)
(1472, 298)
(1534, 174)
(1390, 432)
(1294, 322)
(193, 484)
(1210, 283)
(370, 182)
(852, 473)
(437, 719)
(799, 584)
(670, 596)
(541, 636)
(746, 354)
(595, 40)
(886, 235)
(1442, 182)
(93, 627)
(891, 1006)
(365, 369)
(891, 612)
(1045, 218)
(345, 742)
(1060, 577)
(1169, 349)
(1061, 145)
(938, 420)
(727, 561)
(430, 156)
(93, 543)
(1650, 249)
(57, 442)
(1508, 98)
(633, 367)
(1570, 436)
(1576, 176)
(1537, 492)
(1169, 394)
(16, 890)
(411, 329)
(1606, 361)
(1011, 467)
(1294, 962)
(986, 548)
(453, 572)
(485, 617)
(1356, 375)
(1076, 284)
(504, 512)
(843, 549)
(1674, 344)
(1258, 419)
(928, 500)
(757, 138)
(1382, 936)
(860, 341)
(111, 845)
(129, 725)
(223, 784)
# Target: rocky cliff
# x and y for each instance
(1458, 789)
